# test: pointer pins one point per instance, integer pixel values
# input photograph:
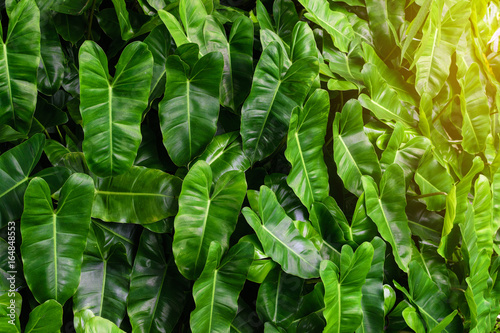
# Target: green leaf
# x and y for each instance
(343, 288)
(140, 195)
(224, 154)
(190, 108)
(267, 110)
(238, 55)
(385, 17)
(384, 102)
(205, 215)
(335, 23)
(261, 264)
(18, 66)
(387, 209)
(121, 12)
(174, 27)
(286, 197)
(353, 152)
(475, 112)
(101, 325)
(157, 290)
(278, 298)
(70, 28)
(413, 319)
(285, 18)
(439, 42)
(216, 291)
(16, 166)
(59, 236)
(9, 321)
(104, 284)
(372, 300)
(432, 177)
(112, 108)
(159, 43)
(45, 318)
(51, 68)
(193, 15)
(280, 239)
(306, 137)
(74, 7)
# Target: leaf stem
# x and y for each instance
(91, 18)
(429, 195)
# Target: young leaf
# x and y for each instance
(47, 317)
(112, 108)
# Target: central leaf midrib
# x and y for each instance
(9, 86)
(212, 301)
(133, 194)
(158, 297)
(54, 235)
(204, 227)
(110, 115)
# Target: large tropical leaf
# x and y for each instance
(306, 136)
(140, 195)
(51, 69)
(59, 236)
(267, 110)
(216, 291)
(18, 66)
(190, 108)
(387, 209)
(353, 152)
(157, 290)
(343, 288)
(206, 214)
(280, 239)
(16, 166)
(112, 108)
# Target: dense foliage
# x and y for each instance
(206, 166)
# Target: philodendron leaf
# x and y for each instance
(157, 290)
(387, 209)
(205, 215)
(47, 317)
(280, 239)
(475, 112)
(59, 236)
(190, 108)
(238, 55)
(9, 321)
(353, 152)
(140, 195)
(98, 324)
(343, 288)
(267, 110)
(216, 291)
(18, 66)
(104, 284)
(279, 297)
(51, 68)
(112, 108)
(16, 166)
(306, 136)
(335, 23)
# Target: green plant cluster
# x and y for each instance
(232, 166)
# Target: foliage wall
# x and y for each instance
(206, 166)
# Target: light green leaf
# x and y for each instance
(58, 235)
(112, 108)
(45, 318)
